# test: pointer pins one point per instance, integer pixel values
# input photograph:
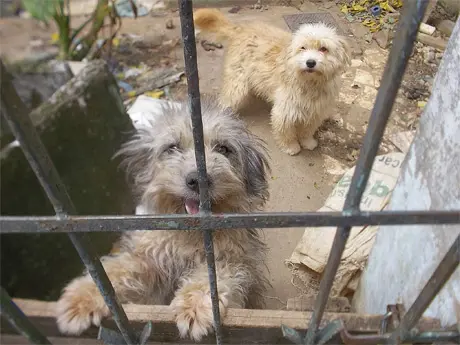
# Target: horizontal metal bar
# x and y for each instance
(441, 275)
(221, 221)
(401, 50)
(337, 327)
(421, 338)
(193, 85)
(19, 321)
(17, 116)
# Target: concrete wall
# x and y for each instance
(404, 257)
(82, 126)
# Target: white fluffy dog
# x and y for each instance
(298, 73)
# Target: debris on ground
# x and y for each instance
(375, 15)
(309, 259)
(235, 9)
(257, 5)
(446, 26)
(210, 46)
(158, 81)
(382, 38)
(436, 42)
(169, 24)
(402, 140)
(130, 8)
(426, 29)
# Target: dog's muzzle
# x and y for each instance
(192, 205)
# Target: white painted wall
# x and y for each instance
(404, 257)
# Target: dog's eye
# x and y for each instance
(171, 148)
(303, 48)
(223, 150)
(323, 50)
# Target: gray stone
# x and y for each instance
(446, 27)
(382, 38)
(82, 126)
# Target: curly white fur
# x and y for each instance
(298, 73)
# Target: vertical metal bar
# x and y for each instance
(191, 71)
(19, 321)
(411, 17)
(17, 116)
(437, 280)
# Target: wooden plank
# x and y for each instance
(239, 325)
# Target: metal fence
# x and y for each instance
(76, 227)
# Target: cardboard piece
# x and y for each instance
(309, 258)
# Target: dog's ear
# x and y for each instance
(257, 168)
(137, 157)
(345, 51)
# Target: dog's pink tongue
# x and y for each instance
(192, 206)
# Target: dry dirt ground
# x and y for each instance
(300, 183)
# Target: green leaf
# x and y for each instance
(42, 10)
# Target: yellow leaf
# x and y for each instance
(344, 9)
(131, 93)
(155, 94)
(54, 38)
(116, 42)
(358, 8)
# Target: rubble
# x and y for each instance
(446, 27)
(169, 24)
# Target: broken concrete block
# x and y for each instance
(36, 83)
(446, 27)
(81, 126)
(382, 38)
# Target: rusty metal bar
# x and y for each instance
(441, 275)
(19, 321)
(53, 224)
(337, 328)
(17, 117)
(411, 16)
(191, 71)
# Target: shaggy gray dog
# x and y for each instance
(169, 267)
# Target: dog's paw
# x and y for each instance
(193, 309)
(80, 306)
(309, 143)
(291, 149)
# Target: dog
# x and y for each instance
(169, 267)
(297, 73)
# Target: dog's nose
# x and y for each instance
(311, 63)
(192, 181)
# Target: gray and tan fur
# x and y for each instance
(169, 267)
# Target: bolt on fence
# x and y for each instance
(76, 227)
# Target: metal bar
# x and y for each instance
(191, 71)
(440, 276)
(54, 224)
(19, 321)
(401, 50)
(17, 116)
(337, 327)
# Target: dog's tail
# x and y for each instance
(213, 21)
